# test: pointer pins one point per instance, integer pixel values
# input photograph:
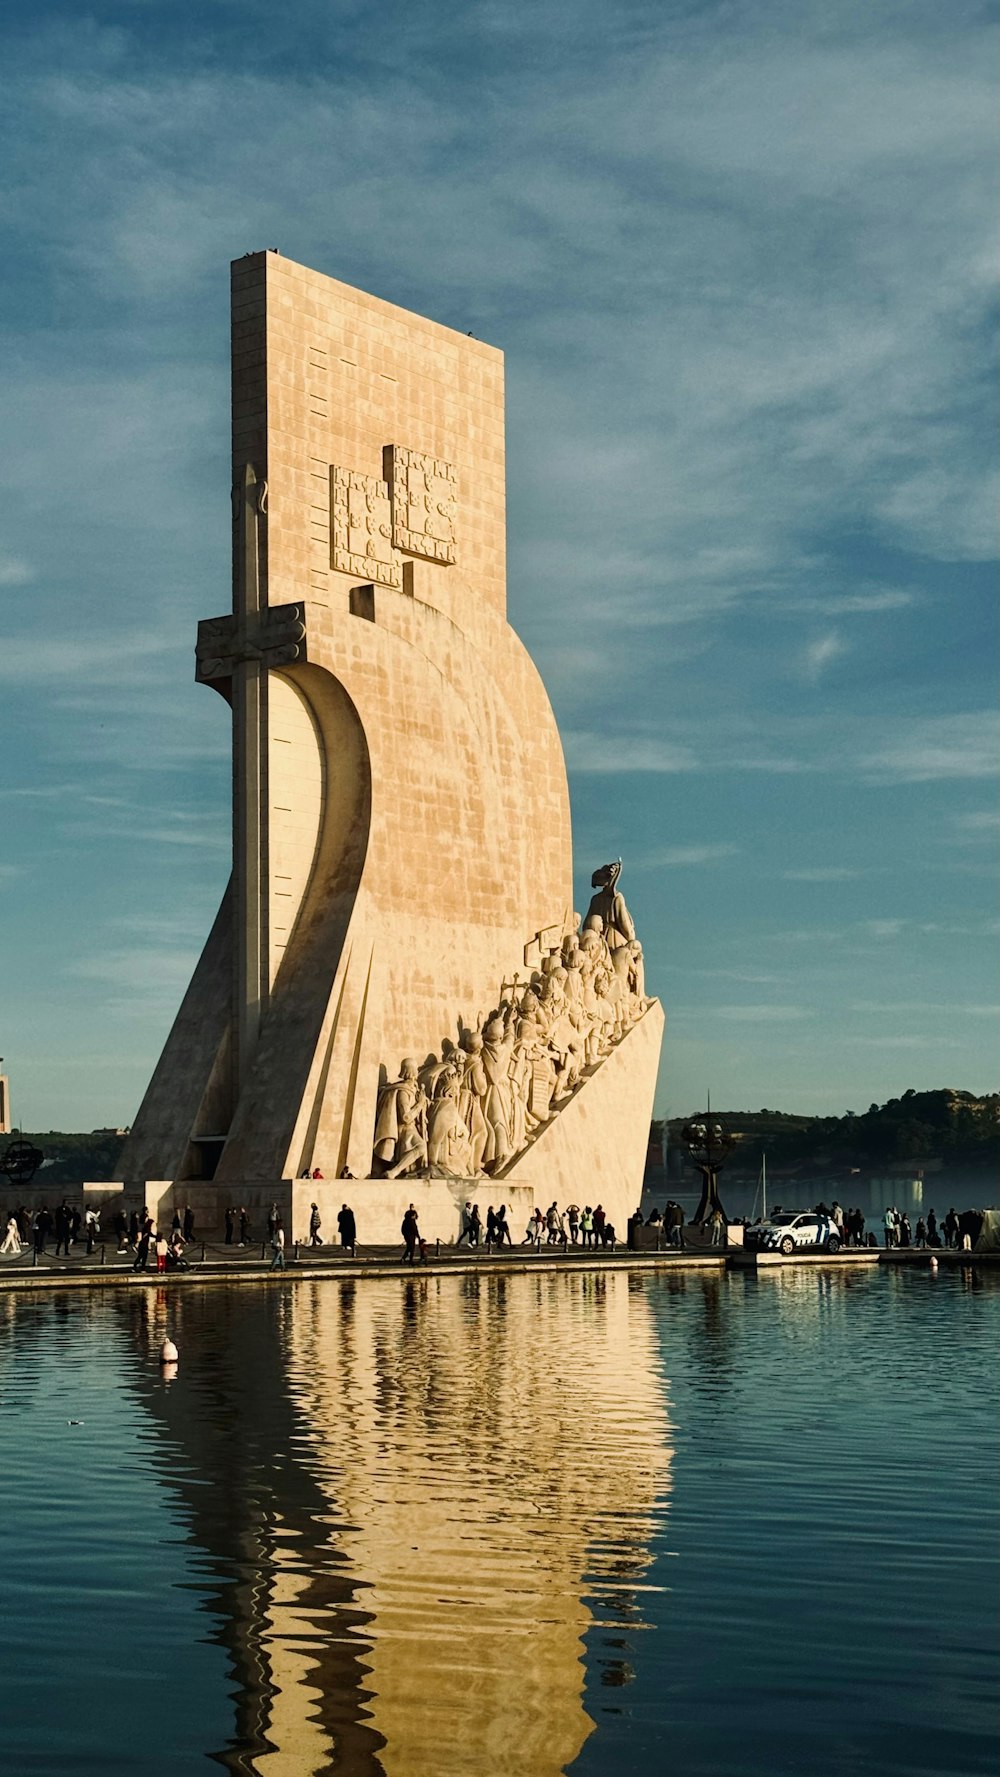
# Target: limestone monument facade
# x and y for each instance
(396, 986)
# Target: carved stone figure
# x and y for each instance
(472, 1094)
(400, 1124)
(449, 1149)
(609, 906)
(498, 1103)
(478, 1106)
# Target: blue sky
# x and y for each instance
(741, 259)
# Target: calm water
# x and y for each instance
(528, 1524)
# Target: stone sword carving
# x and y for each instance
(235, 654)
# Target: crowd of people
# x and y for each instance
(950, 1232)
(71, 1227)
(571, 1226)
(894, 1228)
(671, 1222)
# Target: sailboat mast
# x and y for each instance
(763, 1180)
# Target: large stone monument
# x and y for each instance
(396, 987)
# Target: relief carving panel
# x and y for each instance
(361, 528)
(423, 490)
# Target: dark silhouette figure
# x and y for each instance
(410, 1233)
(62, 1228)
(42, 1228)
(347, 1228)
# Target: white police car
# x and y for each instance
(790, 1229)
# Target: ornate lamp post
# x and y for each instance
(708, 1144)
(21, 1162)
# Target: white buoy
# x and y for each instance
(933, 1263)
(168, 1352)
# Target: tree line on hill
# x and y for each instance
(72, 1159)
(959, 1127)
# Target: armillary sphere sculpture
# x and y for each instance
(708, 1144)
(21, 1162)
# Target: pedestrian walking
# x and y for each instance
(465, 1232)
(92, 1222)
(188, 1223)
(244, 1227)
(42, 1228)
(315, 1224)
(411, 1234)
(62, 1229)
(502, 1230)
(230, 1224)
(12, 1238)
(348, 1229)
(277, 1245)
(476, 1226)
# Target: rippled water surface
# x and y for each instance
(565, 1522)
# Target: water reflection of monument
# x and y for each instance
(422, 1498)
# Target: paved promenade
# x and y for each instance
(215, 1262)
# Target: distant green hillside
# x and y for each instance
(70, 1159)
(956, 1126)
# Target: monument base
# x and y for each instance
(592, 1151)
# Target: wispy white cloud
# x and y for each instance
(26, 659)
(145, 970)
(14, 572)
(822, 653)
(38, 792)
(604, 754)
(846, 604)
(924, 1008)
(823, 873)
(882, 928)
(924, 748)
(982, 823)
(761, 1014)
(672, 857)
